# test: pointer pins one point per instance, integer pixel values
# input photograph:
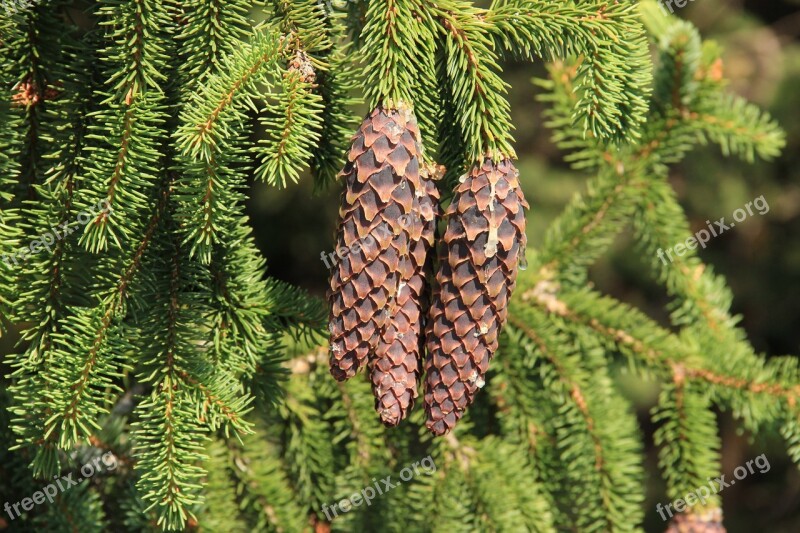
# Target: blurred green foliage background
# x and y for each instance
(760, 257)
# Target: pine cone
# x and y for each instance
(397, 365)
(709, 521)
(478, 261)
(381, 177)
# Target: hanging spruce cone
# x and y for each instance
(397, 366)
(478, 261)
(381, 177)
(708, 521)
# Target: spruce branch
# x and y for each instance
(293, 126)
(9, 136)
(453, 146)
(398, 47)
(335, 86)
(308, 440)
(120, 175)
(133, 30)
(606, 456)
(210, 29)
(582, 151)
(293, 309)
(84, 362)
(739, 128)
(207, 122)
(220, 509)
(49, 277)
(35, 45)
(320, 51)
(633, 333)
(265, 492)
(518, 410)
(703, 302)
(308, 23)
(241, 344)
(611, 82)
(129, 124)
(189, 396)
(244, 337)
(690, 447)
(790, 430)
(476, 86)
(589, 224)
(79, 509)
(208, 137)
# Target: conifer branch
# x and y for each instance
(335, 87)
(47, 278)
(128, 125)
(33, 69)
(689, 455)
(293, 130)
(740, 128)
(210, 30)
(614, 321)
(615, 64)
(518, 412)
(294, 121)
(397, 41)
(293, 308)
(483, 111)
(188, 396)
(209, 145)
(590, 223)
(585, 406)
(574, 388)
(319, 50)
(207, 123)
(76, 395)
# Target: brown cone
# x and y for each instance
(381, 177)
(396, 366)
(478, 261)
(708, 521)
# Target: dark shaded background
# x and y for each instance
(760, 257)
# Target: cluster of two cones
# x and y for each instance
(384, 314)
